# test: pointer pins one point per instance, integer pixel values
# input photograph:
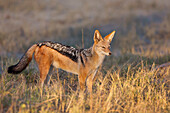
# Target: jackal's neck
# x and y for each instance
(96, 57)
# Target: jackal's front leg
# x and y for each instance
(81, 82)
(89, 80)
(89, 83)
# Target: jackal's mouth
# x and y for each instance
(108, 54)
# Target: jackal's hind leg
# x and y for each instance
(44, 69)
(43, 74)
(47, 80)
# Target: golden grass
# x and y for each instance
(125, 89)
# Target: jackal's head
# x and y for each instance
(102, 45)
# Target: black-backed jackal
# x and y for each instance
(83, 62)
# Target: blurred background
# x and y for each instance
(142, 26)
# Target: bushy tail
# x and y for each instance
(24, 61)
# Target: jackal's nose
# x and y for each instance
(110, 53)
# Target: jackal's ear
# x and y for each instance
(97, 37)
(110, 36)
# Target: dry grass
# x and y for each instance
(124, 89)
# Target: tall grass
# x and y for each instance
(137, 88)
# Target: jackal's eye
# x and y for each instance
(103, 47)
(109, 47)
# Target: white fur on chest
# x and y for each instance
(55, 64)
(100, 61)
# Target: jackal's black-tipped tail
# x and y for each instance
(24, 61)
